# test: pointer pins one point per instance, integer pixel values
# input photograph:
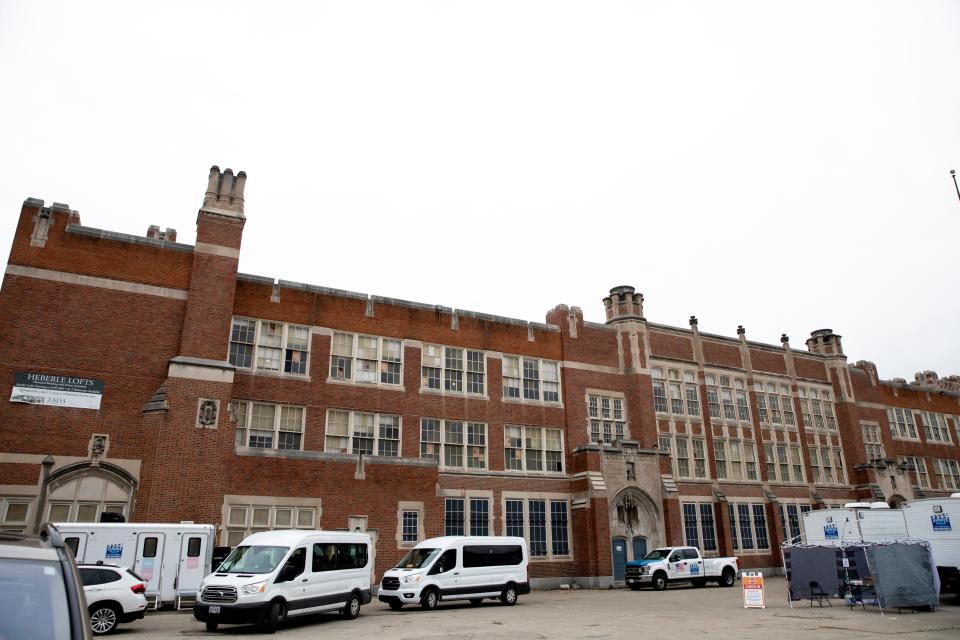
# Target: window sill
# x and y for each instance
(679, 417)
(367, 385)
(302, 377)
(454, 394)
(550, 559)
(533, 403)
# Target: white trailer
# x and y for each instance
(938, 521)
(855, 522)
(171, 559)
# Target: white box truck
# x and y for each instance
(937, 520)
(171, 559)
(854, 522)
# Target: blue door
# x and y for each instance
(619, 558)
(639, 547)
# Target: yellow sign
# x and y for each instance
(753, 590)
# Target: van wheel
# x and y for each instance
(476, 601)
(352, 610)
(212, 626)
(395, 604)
(103, 619)
(728, 578)
(659, 581)
(274, 616)
(429, 599)
(509, 595)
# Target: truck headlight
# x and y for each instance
(412, 578)
(256, 587)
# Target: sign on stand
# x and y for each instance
(753, 590)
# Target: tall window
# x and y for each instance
(689, 457)
(727, 398)
(360, 432)
(902, 425)
(775, 403)
(538, 379)
(736, 459)
(533, 449)
(366, 359)
(453, 369)
(262, 345)
(918, 474)
(699, 529)
(748, 527)
(543, 522)
(948, 473)
(872, 442)
(677, 393)
(935, 427)
(410, 526)
(784, 463)
(268, 426)
(608, 421)
(466, 514)
(454, 443)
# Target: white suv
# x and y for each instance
(114, 595)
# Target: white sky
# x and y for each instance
(781, 165)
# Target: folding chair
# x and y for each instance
(816, 592)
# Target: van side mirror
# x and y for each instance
(287, 574)
(436, 568)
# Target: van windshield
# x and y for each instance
(657, 554)
(418, 558)
(253, 559)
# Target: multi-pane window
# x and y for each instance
(826, 463)
(935, 427)
(775, 404)
(784, 463)
(677, 394)
(748, 526)
(13, 514)
(244, 519)
(689, 456)
(262, 345)
(817, 408)
(727, 398)
(454, 443)
(360, 432)
(918, 474)
(532, 449)
(902, 425)
(268, 426)
(544, 523)
(790, 520)
(538, 379)
(453, 369)
(466, 514)
(607, 417)
(366, 359)
(699, 528)
(410, 526)
(736, 459)
(948, 473)
(872, 442)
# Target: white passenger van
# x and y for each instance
(278, 574)
(458, 568)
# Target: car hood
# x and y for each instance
(642, 563)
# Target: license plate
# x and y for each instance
(214, 609)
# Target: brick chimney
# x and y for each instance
(825, 342)
(224, 191)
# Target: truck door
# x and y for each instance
(676, 566)
(191, 569)
(619, 558)
(77, 543)
(693, 563)
(148, 563)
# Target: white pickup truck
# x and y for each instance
(680, 564)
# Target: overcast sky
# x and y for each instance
(781, 165)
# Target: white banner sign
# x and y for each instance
(57, 391)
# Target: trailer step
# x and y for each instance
(186, 601)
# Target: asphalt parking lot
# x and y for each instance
(678, 612)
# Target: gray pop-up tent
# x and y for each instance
(902, 572)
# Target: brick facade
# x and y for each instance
(700, 414)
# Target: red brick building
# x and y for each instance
(151, 378)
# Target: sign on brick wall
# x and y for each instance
(57, 391)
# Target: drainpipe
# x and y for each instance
(45, 465)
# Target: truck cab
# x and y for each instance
(680, 564)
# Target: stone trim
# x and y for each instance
(92, 281)
(216, 250)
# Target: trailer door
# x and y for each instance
(192, 563)
(149, 561)
(77, 543)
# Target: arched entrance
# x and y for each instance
(635, 524)
(81, 492)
